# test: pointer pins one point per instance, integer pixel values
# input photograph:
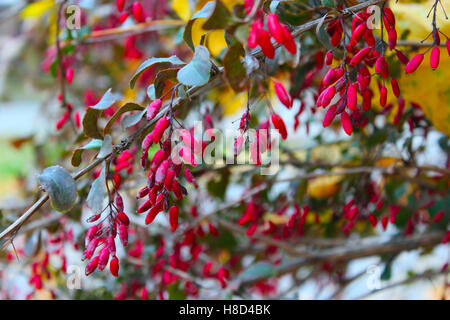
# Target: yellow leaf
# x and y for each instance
(324, 187)
(216, 42)
(182, 9)
(230, 101)
(36, 9)
(276, 219)
(385, 162)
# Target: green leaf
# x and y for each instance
(293, 13)
(149, 62)
(60, 187)
(235, 71)
(90, 128)
(218, 185)
(328, 3)
(125, 108)
(106, 101)
(98, 192)
(197, 72)
(258, 270)
(175, 292)
(219, 18)
(76, 156)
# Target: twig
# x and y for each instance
(354, 252)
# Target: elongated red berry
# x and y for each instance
(114, 266)
(123, 218)
(190, 178)
(357, 58)
(329, 58)
(151, 215)
(120, 4)
(274, 26)
(373, 220)
(288, 40)
(282, 94)
(395, 87)
(159, 129)
(352, 96)
(278, 123)
(90, 234)
(434, 57)
(392, 38)
(438, 216)
(330, 78)
(123, 16)
(357, 34)
(92, 265)
(383, 96)
(447, 44)
(253, 35)
(103, 258)
(401, 57)
(160, 174)
(69, 75)
(123, 234)
(346, 123)
(265, 44)
(173, 218)
(111, 246)
(153, 109)
(414, 63)
(137, 11)
(329, 116)
(328, 95)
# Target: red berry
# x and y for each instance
(114, 266)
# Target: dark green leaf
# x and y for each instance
(234, 69)
(90, 128)
(219, 18)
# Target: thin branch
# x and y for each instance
(355, 251)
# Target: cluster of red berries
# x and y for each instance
(258, 36)
(135, 9)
